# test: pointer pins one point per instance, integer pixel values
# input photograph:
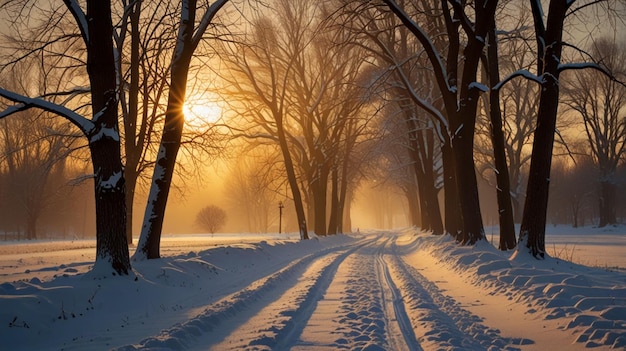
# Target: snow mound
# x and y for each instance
(593, 299)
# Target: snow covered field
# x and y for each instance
(375, 290)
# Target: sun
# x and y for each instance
(202, 112)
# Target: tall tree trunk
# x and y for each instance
(454, 212)
(463, 122)
(549, 41)
(132, 146)
(104, 143)
(347, 218)
(452, 208)
(467, 189)
(150, 239)
(343, 218)
(111, 243)
(607, 203)
(319, 188)
(187, 40)
(420, 150)
(427, 142)
(503, 189)
(418, 170)
(414, 206)
(291, 178)
(334, 202)
(131, 185)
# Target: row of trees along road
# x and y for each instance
(306, 79)
(298, 83)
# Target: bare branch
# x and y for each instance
(592, 65)
(433, 55)
(25, 102)
(519, 73)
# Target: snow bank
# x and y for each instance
(593, 299)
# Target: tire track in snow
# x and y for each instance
(289, 313)
(360, 310)
(395, 309)
(361, 318)
(185, 335)
(441, 322)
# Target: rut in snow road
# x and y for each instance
(359, 296)
(361, 309)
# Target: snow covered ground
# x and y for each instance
(398, 290)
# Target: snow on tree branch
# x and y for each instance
(184, 28)
(520, 73)
(422, 103)
(439, 68)
(592, 65)
(206, 20)
(13, 109)
(105, 133)
(25, 102)
(110, 103)
(112, 182)
(479, 86)
(80, 17)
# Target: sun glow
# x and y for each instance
(202, 112)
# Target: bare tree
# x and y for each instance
(258, 69)
(189, 36)
(211, 218)
(96, 31)
(34, 148)
(519, 102)
(409, 85)
(297, 82)
(457, 85)
(549, 48)
(395, 165)
(143, 43)
(549, 43)
(330, 96)
(252, 187)
(519, 105)
(496, 133)
(570, 199)
(601, 102)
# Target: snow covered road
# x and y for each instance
(400, 290)
(360, 296)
